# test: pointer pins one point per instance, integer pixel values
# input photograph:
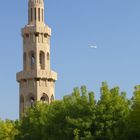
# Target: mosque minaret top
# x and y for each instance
(36, 12)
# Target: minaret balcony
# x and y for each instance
(36, 29)
(40, 74)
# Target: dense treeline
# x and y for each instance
(80, 117)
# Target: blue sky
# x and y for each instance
(112, 25)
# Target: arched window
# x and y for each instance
(52, 98)
(42, 59)
(45, 98)
(24, 59)
(32, 60)
(31, 14)
(42, 15)
(21, 104)
(48, 56)
(35, 13)
(38, 14)
(32, 100)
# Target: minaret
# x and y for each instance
(36, 80)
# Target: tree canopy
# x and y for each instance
(79, 116)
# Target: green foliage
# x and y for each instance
(91, 98)
(8, 130)
(133, 125)
(31, 126)
(111, 113)
(80, 117)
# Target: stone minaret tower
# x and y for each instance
(36, 80)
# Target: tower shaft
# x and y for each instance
(36, 80)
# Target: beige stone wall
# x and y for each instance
(36, 80)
